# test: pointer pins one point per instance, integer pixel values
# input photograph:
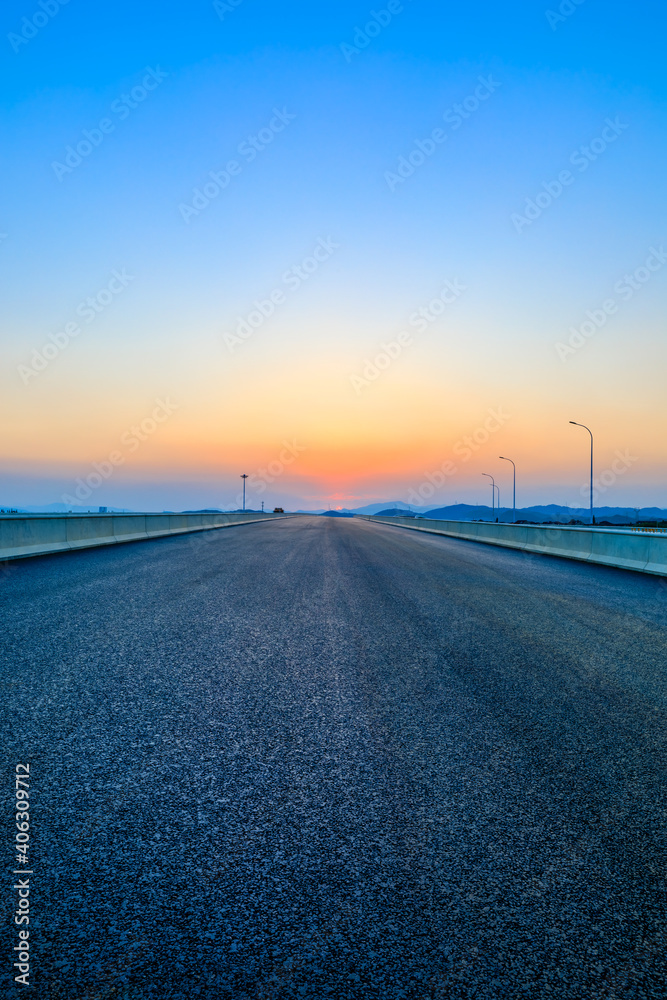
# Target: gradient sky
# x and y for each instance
(220, 73)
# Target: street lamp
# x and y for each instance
(493, 493)
(513, 487)
(244, 477)
(591, 434)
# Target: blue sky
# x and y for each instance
(220, 76)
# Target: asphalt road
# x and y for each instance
(327, 758)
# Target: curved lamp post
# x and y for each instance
(513, 487)
(244, 477)
(591, 492)
(493, 493)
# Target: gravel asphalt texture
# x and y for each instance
(323, 757)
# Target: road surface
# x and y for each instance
(324, 757)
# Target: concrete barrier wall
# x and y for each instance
(622, 548)
(24, 535)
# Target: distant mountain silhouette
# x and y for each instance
(375, 508)
(540, 513)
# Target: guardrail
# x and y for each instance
(621, 548)
(25, 535)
